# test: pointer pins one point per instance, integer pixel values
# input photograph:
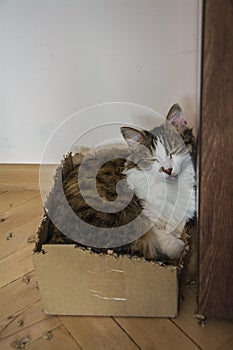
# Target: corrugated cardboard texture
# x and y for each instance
(73, 281)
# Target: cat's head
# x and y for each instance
(164, 149)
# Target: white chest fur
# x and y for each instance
(168, 202)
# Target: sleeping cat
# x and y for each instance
(157, 170)
(168, 166)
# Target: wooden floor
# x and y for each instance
(22, 317)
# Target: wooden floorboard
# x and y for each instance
(21, 313)
(98, 333)
(227, 346)
(15, 298)
(20, 177)
(33, 332)
(21, 237)
(2, 192)
(17, 216)
(210, 337)
(31, 315)
(155, 333)
(14, 177)
(16, 265)
(9, 200)
(61, 340)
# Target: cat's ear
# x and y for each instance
(176, 117)
(133, 136)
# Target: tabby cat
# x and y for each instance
(155, 171)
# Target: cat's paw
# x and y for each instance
(171, 246)
(176, 249)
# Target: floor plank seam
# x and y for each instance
(70, 334)
(129, 336)
(29, 325)
(20, 312)
(39, 217)
(186, 334)
(17, 250)
(18, 278)
(26, 328)
(49, 330)
(11, 320)
(19, 204)
(15, 227)
(20, 188)
(223, 345)
(7, 256)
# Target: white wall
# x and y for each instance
(59, 56)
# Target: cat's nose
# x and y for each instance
(167, 171)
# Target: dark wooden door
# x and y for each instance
(215, 287)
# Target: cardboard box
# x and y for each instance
(76, 281)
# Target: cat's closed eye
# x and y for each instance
(153, 160)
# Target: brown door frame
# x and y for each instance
(215, 268)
